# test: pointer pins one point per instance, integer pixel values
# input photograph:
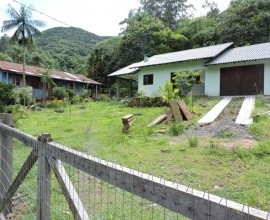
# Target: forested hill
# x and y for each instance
(69, 41)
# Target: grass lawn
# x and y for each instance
(240, 174)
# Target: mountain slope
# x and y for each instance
(71, 41)
(68, 46)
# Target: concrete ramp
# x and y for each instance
(215, 111)
(244, 116)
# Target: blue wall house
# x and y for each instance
(13, 73)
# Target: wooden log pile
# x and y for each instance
(127, 122)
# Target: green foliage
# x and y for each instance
(24, 96)
(193, 141)
(167, 11)
(261, 126)
(226, 134)
(177, 128)
(260, 101)
(60, 93)
(168, 93)
(67, 48)
(245, 22)
(7, 96)
(5, 57)
(186, 79)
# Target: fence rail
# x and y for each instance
(180, 199)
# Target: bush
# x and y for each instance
(86, 94)
(76, 99)
(177, 128)
(70, 93)
(56, 104)
(7, 96)
(193, 142)
(60, 93)
(147, 102)
(24, 96)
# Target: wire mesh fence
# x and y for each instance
(40, 179)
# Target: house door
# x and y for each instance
(242, 80)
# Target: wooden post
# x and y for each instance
(117, 87)
(6, 162)
(130, 88)
(43, 181)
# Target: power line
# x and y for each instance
(42, 13)
(57, 20)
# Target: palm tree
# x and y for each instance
(25, 28)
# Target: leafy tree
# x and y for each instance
(7, 96)
(213, 8)
(201, 31)
(25, 28)
(168, 93)
(245, 22)
(145, 34)
(5, 57)
(4, 43)
(168, 11)
(48, 82)
(185, 80)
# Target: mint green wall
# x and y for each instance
(161, 73)
(212, 76)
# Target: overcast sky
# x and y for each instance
(101, 17)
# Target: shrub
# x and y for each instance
(193, 142)
(59, 93)
(71, 93)
(86, 94)
(7, 96)
(76, 99)
(55, 104)
(24, 96)
(177, 128)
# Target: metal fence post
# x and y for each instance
(43, 189)
(6, 161)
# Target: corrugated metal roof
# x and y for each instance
(38, 71)
(185, 55)
(240, 54)
(126, 70)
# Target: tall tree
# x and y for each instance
(26, 28)
(212, 7)
(168, 11)
(245, 22)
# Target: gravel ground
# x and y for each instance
(224, 126)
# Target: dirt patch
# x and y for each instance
(224, 127)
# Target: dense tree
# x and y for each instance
(145, 34)
(201, 31)
(213, 10)
(168, 11)
(245, 22)
(25, 28)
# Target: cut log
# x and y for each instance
(184, 109)
(176, 111)
(157, 120)
(127, 117)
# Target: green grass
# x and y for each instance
(241, 174)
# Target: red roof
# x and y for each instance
(38, 71)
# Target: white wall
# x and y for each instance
(212, 76)
(162, 73)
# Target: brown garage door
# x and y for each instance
(242, 80)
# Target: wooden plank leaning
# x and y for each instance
(176, 111)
